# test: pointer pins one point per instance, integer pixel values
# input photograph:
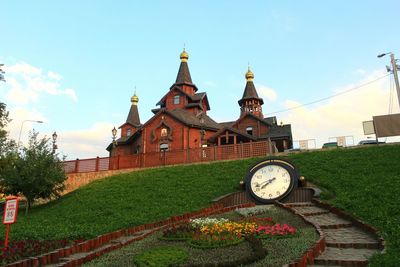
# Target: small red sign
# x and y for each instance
(10, 210)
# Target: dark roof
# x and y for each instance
(277, 131)
(183, 76)
(250, 92)
(192, 120)
(248, 114)
(192, 105)
(237, 131)
(271, 120)
(226, 124)
(198, 96)
(133, 116)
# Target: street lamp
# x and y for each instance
(395, 68)
(114, 135)
(20, 130)
(54, 142)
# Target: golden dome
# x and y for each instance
(134, 99)
(184, 56)
(249, 75)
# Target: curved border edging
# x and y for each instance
(368, 228)
(319, 246)
(102, 244)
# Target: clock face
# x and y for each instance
(271, 180)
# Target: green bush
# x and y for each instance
(161, 257)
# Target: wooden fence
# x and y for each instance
(153, 159)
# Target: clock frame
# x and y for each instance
(271, 180)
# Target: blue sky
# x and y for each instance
(74, 64)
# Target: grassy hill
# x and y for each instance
(364, 181)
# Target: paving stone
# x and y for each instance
(343, 256)
(329, 220)
(350, 237)
(310, 210)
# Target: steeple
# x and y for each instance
(250, 102)
(183, 78)
(133, 116)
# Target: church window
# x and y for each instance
(128, 132)
(177, 99)
(249, 130)
(256, 108)
(164, 132)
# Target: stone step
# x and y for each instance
(351, 237)
(310, 210)
(345, 256)
(329, 221)
(299, 204)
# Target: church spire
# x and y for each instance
(133, 116)
(183, 77)
(250, 102)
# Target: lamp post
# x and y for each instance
(20, 130)
(54, 136)
(394, 70)
(114, 135)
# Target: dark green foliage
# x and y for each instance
(178, 233)
(35, 173)
(161, 257)
(365, 182)
(7, 147)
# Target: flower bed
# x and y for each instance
(209, 233)
(276, 231)
(27, 248)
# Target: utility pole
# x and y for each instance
(396, 78)
(394, 69)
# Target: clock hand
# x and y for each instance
(268, 182)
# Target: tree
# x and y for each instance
(36, 173)
(7, 147)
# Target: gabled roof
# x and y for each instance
(234, 130)
(227, 124)
(125, 139)
(254, 117)
(196, 98)
(192, 120)
(250, 92)
(271, 120)
(277, 131)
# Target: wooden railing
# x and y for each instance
(153, 159)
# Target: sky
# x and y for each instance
(75, 64)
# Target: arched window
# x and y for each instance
(128, 132)
(249, 130)
(177, 99)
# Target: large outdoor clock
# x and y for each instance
(271, 179)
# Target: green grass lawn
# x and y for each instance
(365, 182)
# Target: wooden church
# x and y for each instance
(181, 122)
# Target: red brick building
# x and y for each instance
(181, 121)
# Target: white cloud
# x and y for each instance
(266, 92)
(342, 115)
(17, 128)
(86, 143)
(54, 76)
(26, 83)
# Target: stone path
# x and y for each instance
(346, 244)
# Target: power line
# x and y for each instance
(326, 98)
